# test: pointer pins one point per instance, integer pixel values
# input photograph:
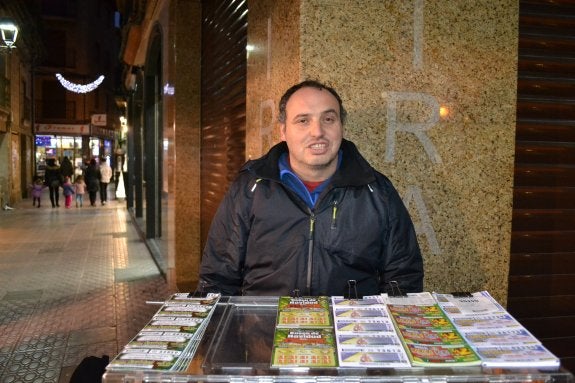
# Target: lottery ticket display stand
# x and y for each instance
(236, 346)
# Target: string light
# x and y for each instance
(78, 88)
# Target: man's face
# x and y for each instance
(313, 133)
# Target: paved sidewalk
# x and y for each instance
(73, 283)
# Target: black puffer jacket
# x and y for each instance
(264, 240)
(52, 176)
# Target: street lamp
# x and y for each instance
(9, 32)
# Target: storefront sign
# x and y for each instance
(62, 129)
(98, 131)
(99, 119)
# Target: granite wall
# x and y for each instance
(430, 87)
(182, 143)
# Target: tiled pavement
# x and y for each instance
(73, 283)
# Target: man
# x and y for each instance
(92, 178)
(66, 168)
(311, 216)
(53, 179)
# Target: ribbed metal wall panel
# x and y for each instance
(224, 67)
(542, 270)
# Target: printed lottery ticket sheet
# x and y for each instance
(365, 334)
(497, 337)
(169, 341)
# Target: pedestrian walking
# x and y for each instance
(37, 188)
(53, 179)
(105, 177)
(66, 168)
(92, 179)
(68, 192)
(79, 190)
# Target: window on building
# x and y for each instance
(4, 83)
(25, 103)
(62, 8)
(53, 100)
(96, 56)
(55, 44)
(97, 95)
(117, 20)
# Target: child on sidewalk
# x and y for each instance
(37, 188)
(80, 190)
(68, 192)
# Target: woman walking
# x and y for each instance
(92, 178)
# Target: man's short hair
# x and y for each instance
(309, 84)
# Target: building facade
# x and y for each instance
(75, 85)
(16, 95)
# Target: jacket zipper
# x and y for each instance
(255, 184)
(310, 252)
(334, 215)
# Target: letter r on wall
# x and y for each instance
(394, 100)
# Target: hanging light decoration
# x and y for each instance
(79, 88)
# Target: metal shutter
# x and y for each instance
(542, 268)
(223, 122)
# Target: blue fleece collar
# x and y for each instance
(290, 179)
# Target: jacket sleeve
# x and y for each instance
(403, 262)
(221, 268)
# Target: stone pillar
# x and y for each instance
(183, 153)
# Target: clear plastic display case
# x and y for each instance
(236, 347)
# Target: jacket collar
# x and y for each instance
(354, 169)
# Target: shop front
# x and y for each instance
(78, 142)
